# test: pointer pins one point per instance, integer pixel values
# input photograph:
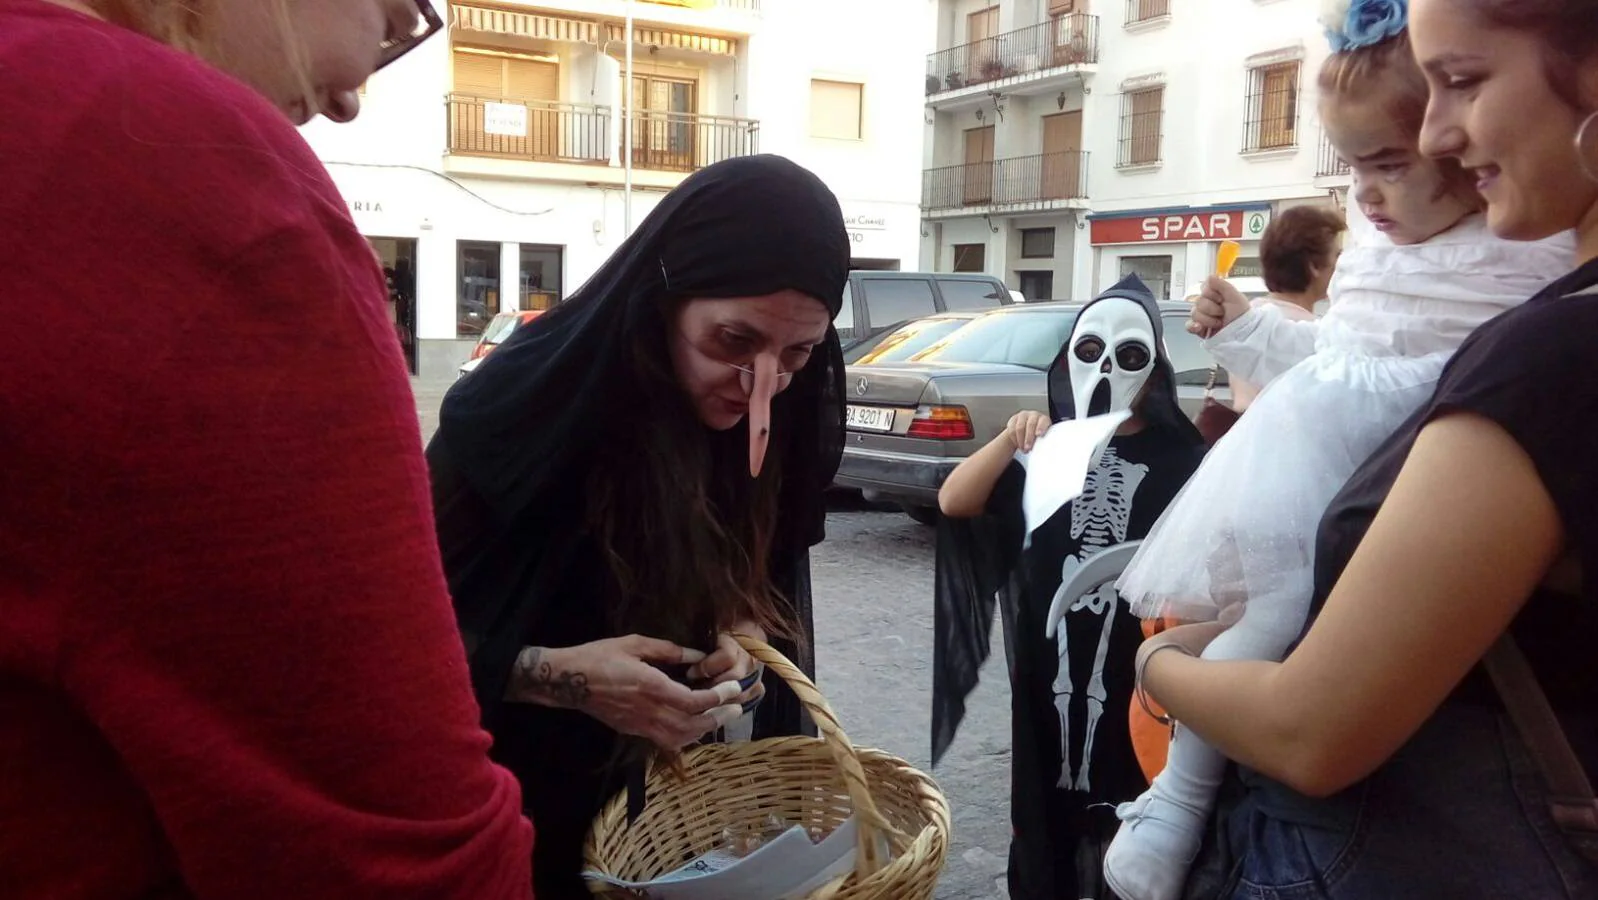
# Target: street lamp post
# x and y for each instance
(627, 116)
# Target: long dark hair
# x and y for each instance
(686, 532)
(1566, 29)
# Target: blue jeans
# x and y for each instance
(1457, 813)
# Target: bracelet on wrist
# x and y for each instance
(1137, 688)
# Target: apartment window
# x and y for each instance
(1142, 115)
(504, 104)
(540, 276)
(978, 171)
(970, 257)
(665, 124)
(982, 25)
(1037, 243)
(1272, 109)
(477, 298)
(1144, 10)
(1037, 286)
(836, 109)
(1061, 7)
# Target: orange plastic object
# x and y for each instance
(1151, 741)
(1226, 258)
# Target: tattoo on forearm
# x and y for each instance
(533, 679)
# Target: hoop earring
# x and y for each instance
(1583, 158)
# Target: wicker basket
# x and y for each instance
(815, 782)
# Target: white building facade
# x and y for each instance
(1073, 142)
(488, 167)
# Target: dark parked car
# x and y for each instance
(910, 423)
(874, 302)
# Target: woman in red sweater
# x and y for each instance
(228, 663)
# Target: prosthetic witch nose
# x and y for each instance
(764, 388)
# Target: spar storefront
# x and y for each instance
(1173, 249)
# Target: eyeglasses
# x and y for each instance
(746, 378)
(427, 24)
(746, 375)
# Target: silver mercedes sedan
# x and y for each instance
(912, 420)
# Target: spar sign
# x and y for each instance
(1181, 227)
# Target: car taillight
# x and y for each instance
(942, 423)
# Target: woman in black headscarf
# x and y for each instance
(636, 474)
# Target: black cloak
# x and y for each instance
(976, 559)
(517, 436)
(1072, 758)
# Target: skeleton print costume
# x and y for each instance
(1073, 755)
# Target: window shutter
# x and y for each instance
(835, 109)
(479, 75)
(526, 79)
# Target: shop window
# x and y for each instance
(1037, 286)
(1142, 118)
(1037, 243)
(540, 276)
(836, 109)
(1154, 270)
(1248, 267)
(970, 257)
(1272, 110)
(477, 297)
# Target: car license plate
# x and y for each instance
(869, 418)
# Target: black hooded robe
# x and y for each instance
(517, 437)
(1067, 771)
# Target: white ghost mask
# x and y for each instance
(1112, 356)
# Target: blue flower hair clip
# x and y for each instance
(1351, 24)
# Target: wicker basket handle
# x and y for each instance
(869, 823)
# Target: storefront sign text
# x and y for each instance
(1235, 225)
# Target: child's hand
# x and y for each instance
(1218, 305)
(1024, 429)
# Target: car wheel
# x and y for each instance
(926, 515)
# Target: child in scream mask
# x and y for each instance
(1071, 686)
(1238, 544)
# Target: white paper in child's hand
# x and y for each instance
(1057, 468)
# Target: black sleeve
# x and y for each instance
(1532, 374)
(1006, 497)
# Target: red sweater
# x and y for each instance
(228, 665)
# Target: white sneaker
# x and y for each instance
(1151, 853)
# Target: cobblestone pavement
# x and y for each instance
(873, 595)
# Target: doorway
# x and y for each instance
(399, 271)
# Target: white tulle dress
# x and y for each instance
(1335, 388)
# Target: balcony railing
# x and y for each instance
(548, 131)
(683, 142)
(1330, 163)
(1003, 182)
(529, 129)
(743, 5)
(1071, 40)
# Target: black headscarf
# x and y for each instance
(978, 558)
(519, 433)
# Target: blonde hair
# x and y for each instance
(184, 25)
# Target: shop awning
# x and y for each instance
(543, 26)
